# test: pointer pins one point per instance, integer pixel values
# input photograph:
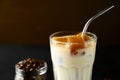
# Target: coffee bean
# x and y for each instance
(34, 65)
(31, 64)
(29, 59)
(21, 66)
(31, 69)
(41, 65)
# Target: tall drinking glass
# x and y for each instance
(68, 64)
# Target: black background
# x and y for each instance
(32, 22)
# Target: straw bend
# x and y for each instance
(93, 18)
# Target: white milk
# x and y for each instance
(68, 66)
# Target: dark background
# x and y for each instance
(31, 22)
(25, 27)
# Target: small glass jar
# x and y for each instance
(38, 74)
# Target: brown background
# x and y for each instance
(32, 21)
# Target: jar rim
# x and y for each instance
(39, 71)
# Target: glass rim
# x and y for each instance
(58, 32)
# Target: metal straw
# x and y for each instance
(93, 18)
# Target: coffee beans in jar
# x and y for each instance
(31, 69)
